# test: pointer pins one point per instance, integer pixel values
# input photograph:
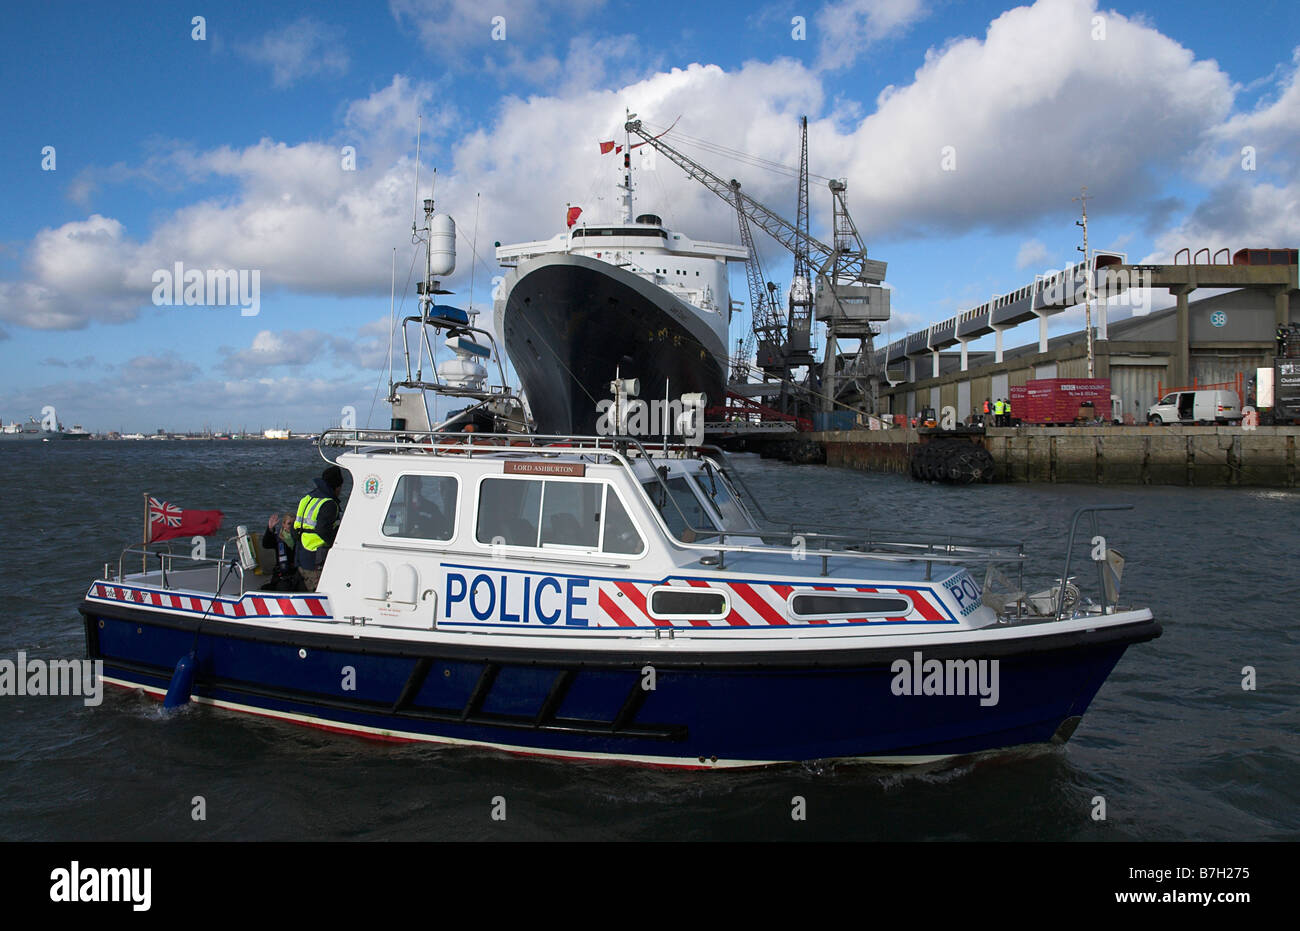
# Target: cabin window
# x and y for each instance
(687, 603)
(509, 511)
(848, 605)
(680, 502)
(423, 507)
(718, 490)
(571, 514)
(620, 534)
(543, 513)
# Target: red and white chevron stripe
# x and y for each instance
(751, 604)
(247, 606)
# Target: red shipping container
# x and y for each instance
(1057, 400)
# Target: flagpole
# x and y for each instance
(144, 556)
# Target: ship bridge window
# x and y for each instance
(545, 513)
(687, 518)
(423, 507)
(618, 231)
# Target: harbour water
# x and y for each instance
(1174, 745)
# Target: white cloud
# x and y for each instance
(1031, 112)
(1254, 200)
(74, 274)
(1032, 252)
(847, 28)
(270, 349)
(452, 29)
(1236, 215)
(303, 48)
(1034, 109)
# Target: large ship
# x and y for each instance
(39, 431)
(630, 299)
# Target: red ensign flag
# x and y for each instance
(167, 521)
(574, 213)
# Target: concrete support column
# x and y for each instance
(1183, 351)
(911, 369)
(997, 351)
(934, 356)
(1281, 307)
(1042, 332)
(965, 361)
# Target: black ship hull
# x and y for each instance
(571, 323)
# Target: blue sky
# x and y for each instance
(226, 152)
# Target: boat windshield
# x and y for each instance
(713, 482)
(684, 503)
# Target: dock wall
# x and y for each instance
(1170, 455)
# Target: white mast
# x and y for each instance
(1087, 276)
(626, 186)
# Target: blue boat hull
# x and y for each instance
(746, 710)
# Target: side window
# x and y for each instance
(540, 513)
(508, 511)
(423, 507)
(571, 514)
(620, 533)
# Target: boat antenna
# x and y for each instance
(473, 248)
(415, 208)
(392, 321)
(665, 416)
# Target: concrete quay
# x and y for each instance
(1105, 455)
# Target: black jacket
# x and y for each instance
(327, 521)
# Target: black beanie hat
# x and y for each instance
(333, 476)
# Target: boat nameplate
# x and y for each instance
(570, 469)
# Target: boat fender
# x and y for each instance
(178, 691)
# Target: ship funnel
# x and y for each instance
(442, 245)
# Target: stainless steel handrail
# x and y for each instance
(1091, 511)
(166, 559)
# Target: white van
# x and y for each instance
(1215, 406)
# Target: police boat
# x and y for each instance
(605, 598)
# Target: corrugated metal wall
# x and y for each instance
(999, 386)
(1072, 368)
(948, 396)
(1211, 368)
(1045, 371)
(1136, 387)
(963, 400)
(934, 400)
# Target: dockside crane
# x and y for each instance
(764, 297)
(848, 297)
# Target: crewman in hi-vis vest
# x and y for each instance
(316, 523)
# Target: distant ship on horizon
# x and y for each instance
(36, 431)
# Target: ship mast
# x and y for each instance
(626, 186)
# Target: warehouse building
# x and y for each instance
(1209, 341)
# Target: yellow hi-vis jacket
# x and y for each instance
(304, 524)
